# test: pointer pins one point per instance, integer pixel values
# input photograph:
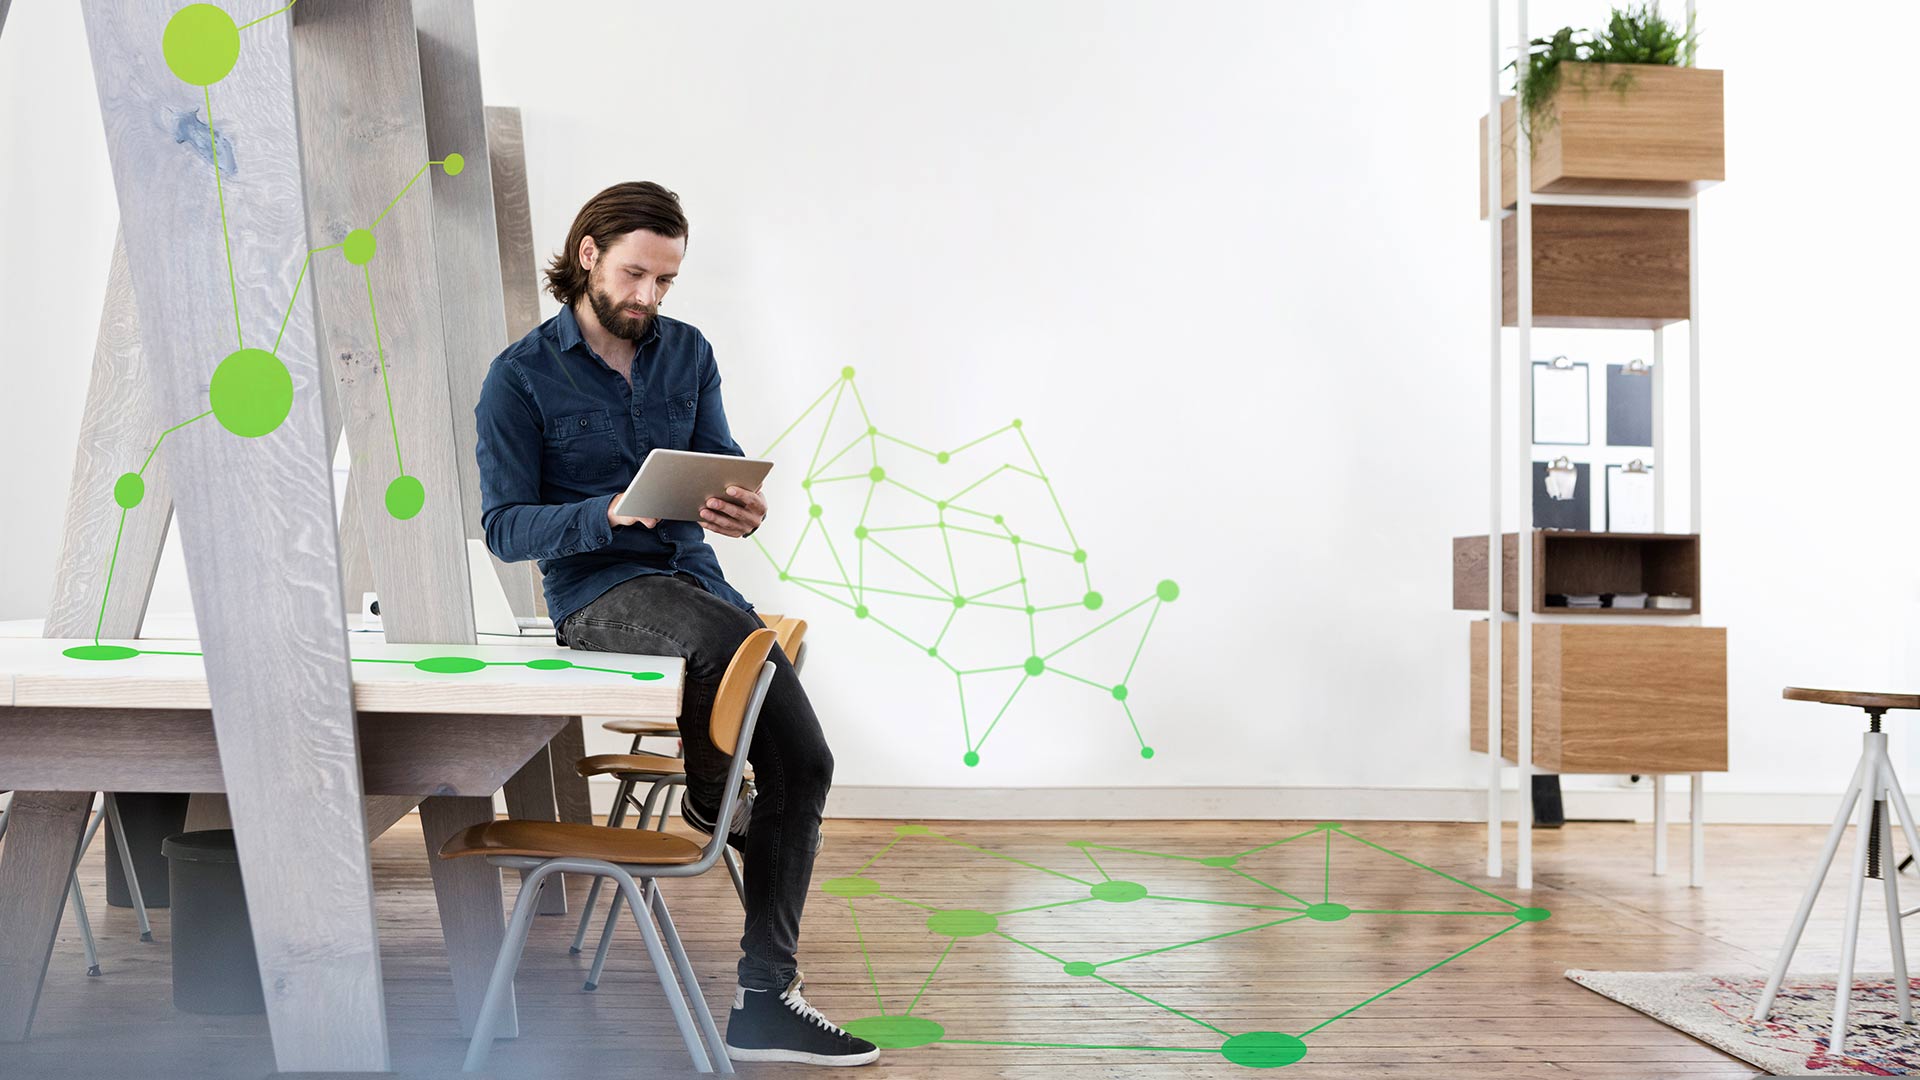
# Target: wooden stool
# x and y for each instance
(1874, 777)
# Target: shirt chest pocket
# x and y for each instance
(682, 408)
(584, 445)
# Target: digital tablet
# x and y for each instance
(674, 485)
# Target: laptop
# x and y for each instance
(492, 614)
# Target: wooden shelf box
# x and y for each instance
(1582, 562)
(1662, 133)
(1610, 699)
(1600, 266)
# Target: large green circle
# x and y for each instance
(450, 665)
(1035, 665)
(129, 490)
(100, 652)
(553, 664)
(453, 164)
(961, 923)
(1263, 1049)
(896, 1032)
(1330, 911)
(251, 393)
(405, 496)
(1167, 591)
(1079, 969)
(1118, 892)
(1533, 914)
(649, 676)
(358, 247)
(850, 888)
(201, 44)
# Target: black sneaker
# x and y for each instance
(769, 1026)
(701, 818)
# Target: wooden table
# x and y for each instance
(447, 724)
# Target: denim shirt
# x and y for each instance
(560, 436)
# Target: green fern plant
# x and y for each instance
(1633, 35)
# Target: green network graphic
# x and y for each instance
(251, 392)
(949, 593)
(1254, 1049)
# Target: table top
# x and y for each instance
(1859, 699)
(170, 673)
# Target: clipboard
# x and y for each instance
(1551, 513)
(1630, 506)
(1562, 403)
(1630, 404)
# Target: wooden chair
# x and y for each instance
(663, 773)
(635, 859)
(110, 812)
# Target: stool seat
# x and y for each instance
(643, 727)
(631, 765)
(1858, 699)
(566, 839)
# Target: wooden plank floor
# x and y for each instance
(1502, 1009)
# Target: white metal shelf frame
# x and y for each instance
(1525, 199)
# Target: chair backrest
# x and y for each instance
(731, 701)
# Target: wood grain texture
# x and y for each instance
(519, 263)
(1597, 266)
(571, 795)
(1663, 134)
(1567, 562)
(117, 432)
(1861, 699)
(1611, 699)
(472, 912)
(256, 514)
(530, 797)
(466, 246)
(43, 836)
(363, 137)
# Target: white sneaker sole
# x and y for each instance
(737, 1054)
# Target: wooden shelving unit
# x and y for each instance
(1583, 562)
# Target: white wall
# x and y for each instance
(1223, 262)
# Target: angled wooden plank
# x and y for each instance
(519, 266)
(43, 839)
(472, 912)
(254, 494)
(366, 151)
(466, 248)
(529, 793)
(569, 787)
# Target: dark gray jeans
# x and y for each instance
(671, 615)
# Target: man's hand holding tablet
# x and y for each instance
(720, 491)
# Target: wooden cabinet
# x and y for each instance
(1600, 266)
(1611, 699)
(1582, 562)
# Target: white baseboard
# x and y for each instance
(1294, 803)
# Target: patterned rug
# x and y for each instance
(1718, 1010)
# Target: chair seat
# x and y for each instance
(630, 765)
(566, 839)
(1859, 699)
(643, 727)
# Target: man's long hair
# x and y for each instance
(615, 212)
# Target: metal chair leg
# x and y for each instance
(606, 941)
(688, 980)
(733, 871)
(126, 864)
(86, 927)
(614, 818)
(504, 966)
(662, 967)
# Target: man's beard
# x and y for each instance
(613, 317)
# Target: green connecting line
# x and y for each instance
(104, 593)
(268, 15)
(1124, 891)
(403, 191)
(163, 438)
(304, 263)
(381, 352)
(462, 665)
(233, 288)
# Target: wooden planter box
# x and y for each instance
(1611, 699)
(1664, 134)
(1600, 267)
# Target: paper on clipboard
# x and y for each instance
(1629, 499)
(1560, 404)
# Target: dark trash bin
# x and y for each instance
(214, 968)
(148, 818)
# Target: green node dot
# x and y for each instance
(876, 474)
(1016, 423)
(871, 430)
(251, 393)
(1118, 892)
(1328, 912)
(783, 575)
(200, 44)
(806, 485)
(816, 510)
(1146, 751)
(847, 373)
(1092, 600)
(649, 676)
(1329, 825)
(405, 496)
(971, 758)
(896, 1032)
(1079, 968)
(1077, 843)
(941, 505)
(1015, 538)
(453, 164)
(860, 611)
(1079, 554)
(959, 601)
(129, 490)
(1263, 1049)
(1035, 665)
(450, 665)
(943, 457)
(1533, 914)
(962, 923)
(859, 532)
(100, 652)
(931, 651)
(1031, 609)
(549, 665)
(911, 830)
(1120, 693)
(1219, 861)
(849, 888)
(358, 247)
(1167, 591)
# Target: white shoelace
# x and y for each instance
(806, 1011)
